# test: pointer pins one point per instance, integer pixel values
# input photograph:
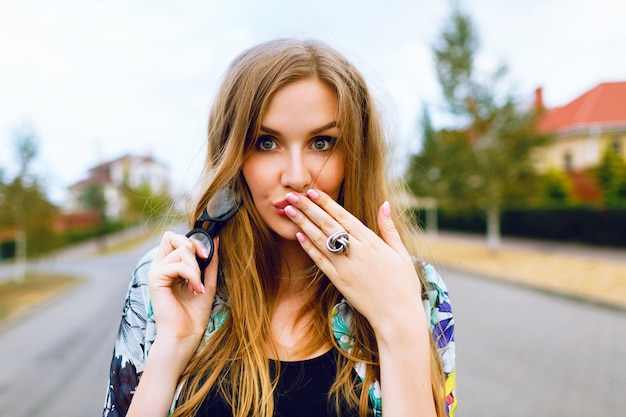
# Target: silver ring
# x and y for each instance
(338, 242)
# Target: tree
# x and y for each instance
(440, 169)
(484, 161)
(611, 176)
(145, 204)
(26, 148)
(94, 199)
(26, 211)
(556, 188)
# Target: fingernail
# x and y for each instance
(300, 237)
(290, 211)
(386, 209)
(203, 289)
(204, 252)
(292, 198)
(313, 195)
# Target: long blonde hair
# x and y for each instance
(234, 360)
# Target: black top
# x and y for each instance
(302, 390)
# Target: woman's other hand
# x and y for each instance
(180, 302)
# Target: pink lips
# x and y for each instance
(280, 207)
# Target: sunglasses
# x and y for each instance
(223, 206)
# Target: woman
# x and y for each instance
(312, 304)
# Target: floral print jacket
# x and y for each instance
(137, 332)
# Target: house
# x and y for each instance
(114, 178)
(584, 128)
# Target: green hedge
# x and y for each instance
(7, 249)
(590, 225)
(78, 236)
(579, 224)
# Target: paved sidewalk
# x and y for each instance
(8, 269)
(594, 274)
(582, 251)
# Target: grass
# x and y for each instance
(19, 296)
(37, 287)
(127, 243)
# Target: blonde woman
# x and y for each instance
(309, 301)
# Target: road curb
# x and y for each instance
(550, 291)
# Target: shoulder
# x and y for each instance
(138, 294)
(438, 308)
(135, 335)
(137, 328)
(436, 290)
(140, 273)
(436, 297)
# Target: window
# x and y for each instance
(616, 145)
(567, 159)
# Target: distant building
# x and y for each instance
(584, 128)
(113, 177)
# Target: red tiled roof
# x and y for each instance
(104, 166)
(603, 105)
(97, 178)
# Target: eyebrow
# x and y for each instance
(314, 132)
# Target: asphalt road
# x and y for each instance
(519, 352)
(55, 360)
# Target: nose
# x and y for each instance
(295, 173)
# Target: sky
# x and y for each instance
(99, 79)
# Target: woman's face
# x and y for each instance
(295, 151)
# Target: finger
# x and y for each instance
(172, 273)
(178, 273)
(172, 241)
(185, 254)
(191, 257)
(200, 249)
(388, 230)
(182, 262)
(308, 228)
(318, 256)
(325, 212)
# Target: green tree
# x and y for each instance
(436, 172)
(93, 198)
(485, 163)
(26, 211)
(144, 204)
(555, 188)
(611, 176)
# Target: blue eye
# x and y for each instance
(323, 143)
(266, 143)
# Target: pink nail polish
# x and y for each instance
(313, 195)
(300, 236)
(292, 198)
(386, 209)
(290, 211)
